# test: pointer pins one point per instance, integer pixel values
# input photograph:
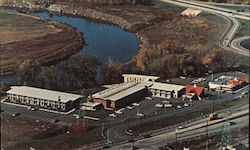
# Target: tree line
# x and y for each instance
(77, 72)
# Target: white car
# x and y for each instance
(112, 115)
(136, 104)
(159, 105)
(168, 105)
(181, 127)
(129, 107)
(178, 106)
(119, 112)
(186, 104)
(32, 108)
(167, 102)
(148, 98)
(140, 114)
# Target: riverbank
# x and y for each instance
(29, 37)
(179, 38)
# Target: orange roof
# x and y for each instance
(191, 89)
(234, 82)
(243, 79)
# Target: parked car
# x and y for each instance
(140, 114)
(166, 102)
(15, 114)
(136, 104)
(178, 106)
(129, 107)
(33, 108)
(119, 112)
(168, 105)
(159, 105)
(186, 104)
(148, 98)
(112, 115)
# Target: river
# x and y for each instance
(106, 42)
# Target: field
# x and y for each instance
(28, 37)
(22, 133)
(244, 29)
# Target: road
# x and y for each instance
(209, 8)
(229, 14)
(235, 44)
(192, 130)
(116, 131)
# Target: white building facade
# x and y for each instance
(43, 98)
(165, 90)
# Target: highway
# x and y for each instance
(190, 130)
(228, 14)
(210, 8)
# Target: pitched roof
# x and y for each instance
(194, 89)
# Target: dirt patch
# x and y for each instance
(21, 133)
(28, 37)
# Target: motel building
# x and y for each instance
(134, 89)
(121, 95)
(227, 83)
(43, 98)
(164, 90)
(138, 78)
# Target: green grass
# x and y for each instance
(173, 8)
(237, 8)
(220, 24)
(238, 59)
(244, 29)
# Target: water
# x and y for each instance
(106, 42)
(103, 41)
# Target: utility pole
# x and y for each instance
(226, 136)
(207, 135)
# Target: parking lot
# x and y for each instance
(144, 107)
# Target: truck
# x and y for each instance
(212, 116)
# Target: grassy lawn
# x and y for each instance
(244, 29)
(220, 24)
(238, 59)
(173, 8)
(237, 8)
